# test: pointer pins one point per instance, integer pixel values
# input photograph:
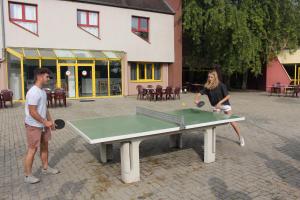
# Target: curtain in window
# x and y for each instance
(144, 24)
(133, 68)
(134, 23)
(93, 19)
(157, 71)
(149, 71)
(30, 12)
(16, 11)
(81, 17)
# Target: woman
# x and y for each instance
(219, 99)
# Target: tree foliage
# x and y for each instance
(239, 35)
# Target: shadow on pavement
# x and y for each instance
(285, 171)
(220, 190)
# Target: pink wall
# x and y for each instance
(175, 69)
(276, 73)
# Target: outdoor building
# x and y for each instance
(285, 69)
(94, 48)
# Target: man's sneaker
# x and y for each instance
(50, 170)
(31, 179)
(242, 141)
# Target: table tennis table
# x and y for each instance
(131, 130)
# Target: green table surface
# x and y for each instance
(107, 127)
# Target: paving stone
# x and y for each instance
(268, 167)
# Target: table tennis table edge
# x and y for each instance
(215, 123)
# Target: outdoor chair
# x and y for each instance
(7, 95)
(116, 89)
(1, 101)
(60, 95)
(49, 97)
(276, 89)
(151, 94)
(139, 89)
(159, 93)
(169, 93)
(296, 91)
(177, 92)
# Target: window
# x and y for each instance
(140, 26)
(88, 21)
(145, 72)
(157, 71)
(133, 71)
(24, 15)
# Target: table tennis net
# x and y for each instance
(161, 115)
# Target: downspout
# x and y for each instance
(3, 32)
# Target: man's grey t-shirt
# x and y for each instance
(36, 97)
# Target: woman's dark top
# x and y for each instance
(217, 94)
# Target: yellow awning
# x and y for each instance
(43, 53)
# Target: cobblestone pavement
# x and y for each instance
(268, 167)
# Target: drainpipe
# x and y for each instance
(3, 31)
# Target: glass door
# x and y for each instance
(115, 78)
(101, 71)
(85, 81)
(67, 80)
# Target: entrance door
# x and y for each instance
(85, 81)
(67, 80)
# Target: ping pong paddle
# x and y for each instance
(59, 124)
(200, 104)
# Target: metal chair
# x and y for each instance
(7, 95)
(60, 95)
(177, 92)
(169, 93)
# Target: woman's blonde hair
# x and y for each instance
(214, 83)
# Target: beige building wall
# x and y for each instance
(1, 33)
(285, 57)
(132, 85)
(58, 29)
(3, 81)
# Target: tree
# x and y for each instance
(240, 35)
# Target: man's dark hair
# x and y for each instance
(40, 71)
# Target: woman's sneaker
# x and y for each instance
(50, 170)
(31, 179)
(242, 141)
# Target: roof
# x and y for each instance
(159, 6)
(43, 53)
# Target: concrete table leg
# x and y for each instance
(176, 141)
(130, 161)
(209, 145)
(106, 152)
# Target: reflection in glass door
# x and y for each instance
(85, 82)
(68, 83)
(115, 78)
(101, 71)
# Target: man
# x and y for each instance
(38, 124)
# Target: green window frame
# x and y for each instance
(145, 72)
